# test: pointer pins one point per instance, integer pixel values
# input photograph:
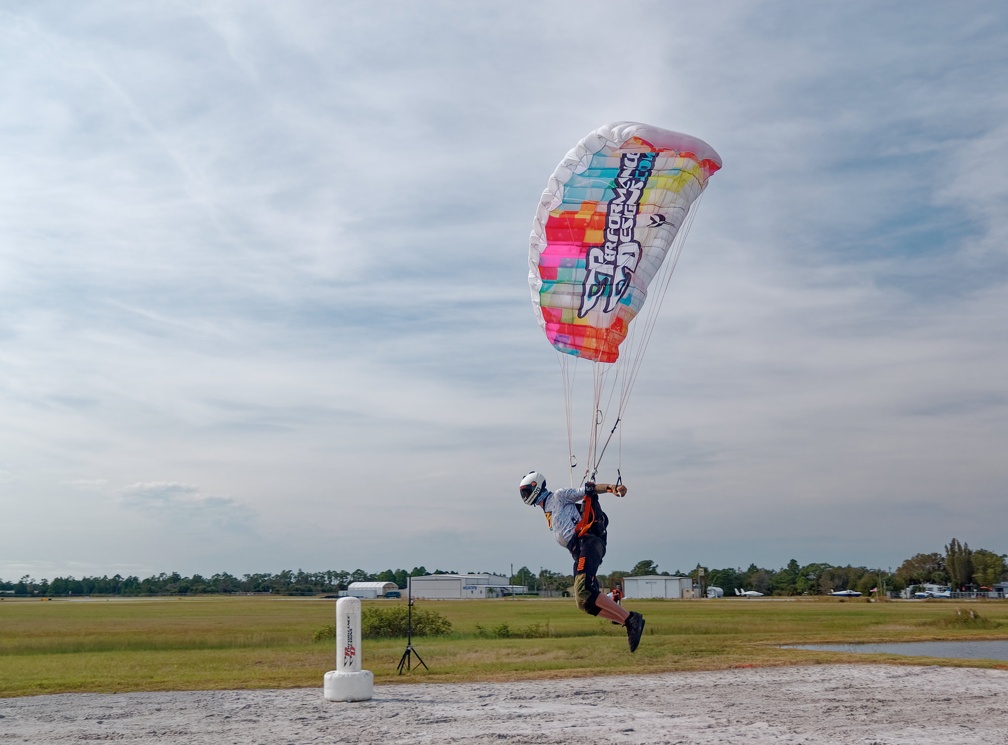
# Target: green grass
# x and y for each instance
(206, 643)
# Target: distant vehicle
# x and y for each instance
(846, 594)
(933, 594)
(748, 593)
(715, 592)
(393, 594)
(932, 591)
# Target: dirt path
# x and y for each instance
(796, 705)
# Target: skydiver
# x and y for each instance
(579, 525)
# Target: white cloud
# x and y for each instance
(185, 504)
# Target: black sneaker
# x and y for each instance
(634, 628)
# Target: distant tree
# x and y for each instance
(563, 582)
(341, 580)
(921, 568)
(785, 581)
(759, 580)
(224, 583)
(258, 582)
(553, 582)
(832, 579)
(988, 567)
(868, 582)
(359, 575)
(895, 583)
(959, 564)
(727, 579)
(643, 568)
(615, 578)
(700, 578)
(807, 578)
(525, 578)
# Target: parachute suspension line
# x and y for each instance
(619, 456)
(598, 418)
(634, 347)
(567, 375)
(651, 318)
(618, 371)
(611, 376)
(608, 376)
(608, 440)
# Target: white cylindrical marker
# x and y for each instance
(348, 682)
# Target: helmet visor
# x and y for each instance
(530, 492)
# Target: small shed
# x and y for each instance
(460, 586)
(368, 590)
(657, 586)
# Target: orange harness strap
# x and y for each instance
(587, 515)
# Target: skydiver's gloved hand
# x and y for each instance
(618, 489)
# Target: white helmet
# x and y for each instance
(532, 486)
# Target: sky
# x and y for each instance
(264, 296)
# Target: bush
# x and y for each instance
(503, 631)
(966, 618)
(325, 633)
(390, 622)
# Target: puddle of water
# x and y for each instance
(978, 650)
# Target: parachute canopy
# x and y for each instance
(604, 225)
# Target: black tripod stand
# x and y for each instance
(405, 660)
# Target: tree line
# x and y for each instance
(959, 567)
(286, 582)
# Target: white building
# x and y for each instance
(461, 586)
(657, 586)
(370, 589)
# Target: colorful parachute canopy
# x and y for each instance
(604, 225)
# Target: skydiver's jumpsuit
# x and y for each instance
(579, 525)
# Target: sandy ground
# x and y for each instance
(821, 704)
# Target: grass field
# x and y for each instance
(115, 645)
